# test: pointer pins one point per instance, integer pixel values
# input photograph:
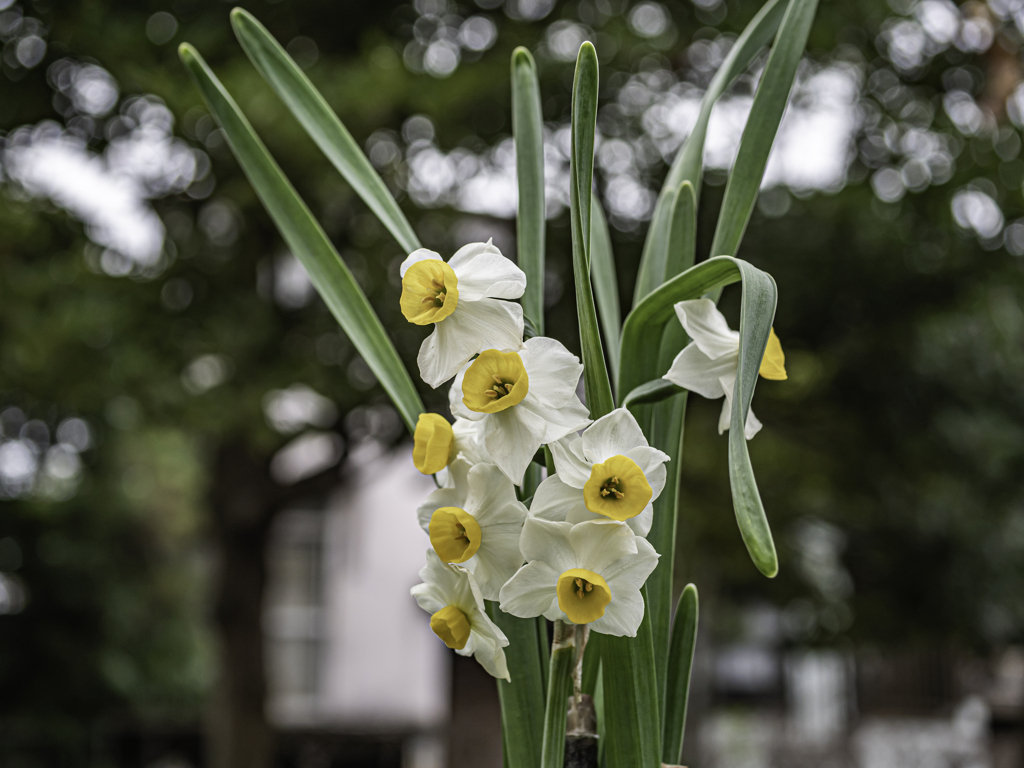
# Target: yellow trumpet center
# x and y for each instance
(495, 381)
(773, 364)
(582, 595)
(452, 626)
(432, 443)
(430, 292)
(454, 534)
(617, 489)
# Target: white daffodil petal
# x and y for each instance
(428, 597)
(596, 543)
(446, 350)
(707, 327)
(488, 654)
(641, 524)
(558, 422)
(623, 614)
(442, 497)
(550, 543)
(467, 441)
(484, 273)
(511, 441)
(569, 462)
(420, 254)
(632, 570)
(753, 425)
(613, 434)
(695, 371)
(530, 592)
(492, 497)
(652, 463)
(554, 371)
(558, 502)
(498, 558)
(498, 324)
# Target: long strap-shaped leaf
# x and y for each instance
(307, 241)
(756, 315)
(321, 123)
(563, 658)
(528, 133)
(689, 162)
(606, 284)
(581, 174)
(632, 720)
(522, 698)
(762, 126)
(684, 640)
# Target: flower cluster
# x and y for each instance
(579, 553)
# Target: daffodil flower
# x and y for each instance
(611, 472)
(461, 298)
(707, 365)
(525, 398)
(436, 443)
(589, 573)
(476, 523)
(452, 598)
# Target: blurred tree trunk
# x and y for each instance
(244, 500)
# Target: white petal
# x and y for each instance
(707, 327)
(498, 324)
(492, 497)
(441, 584)
(445, 350)
(558, 422)
(558, 502)
(530, 592)
(511, 439)
(488, 654)
(613, 434)
(483, 272)
(549, 543)
(554, 371)
(623, 615)
(428, 597)
(598, 543)
(442, 497)
(641, 524)
(652, 463)
(753, 425)
(468, 445)
(420, 254)
(569, 462)
(498, 558)
(632, 570)
(695, 371)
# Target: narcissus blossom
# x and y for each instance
(708, 364)
(476, 523)
(462, 300)
(452, 598)
(436, 443)
(524, 399)
(611, 472)
(589, 573)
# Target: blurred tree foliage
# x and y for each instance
(891, 461)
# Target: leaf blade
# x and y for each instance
(606, 285)
(680, 665)
(308, 242)
(315, 115)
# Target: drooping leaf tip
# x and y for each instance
(522, 57)
(188, 54)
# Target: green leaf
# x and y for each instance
(321, 123)
(528, 132)
(689, 162)
(581, 173)
(563, 657)
(680, 663)
(682, 231)
(632, 723)
(522, 699)
(653, 391)
(606, 284)
(307, 241)
(639, 360)
(762, 126)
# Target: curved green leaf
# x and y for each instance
(307, 241)
(756, 315)
(528, 133)
(689, 162)
(581, 174)
(653, 391)
(680, 663)
(321, 123)
(762, 126)
(606, 285)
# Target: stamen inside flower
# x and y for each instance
(582, 595)
(452, 626)
(617, 489)
(773, 364)
(454, 534)
(430, 292)
(495, 381)
(432, 445)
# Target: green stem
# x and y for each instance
(563, 652)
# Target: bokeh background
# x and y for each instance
(206, 502)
